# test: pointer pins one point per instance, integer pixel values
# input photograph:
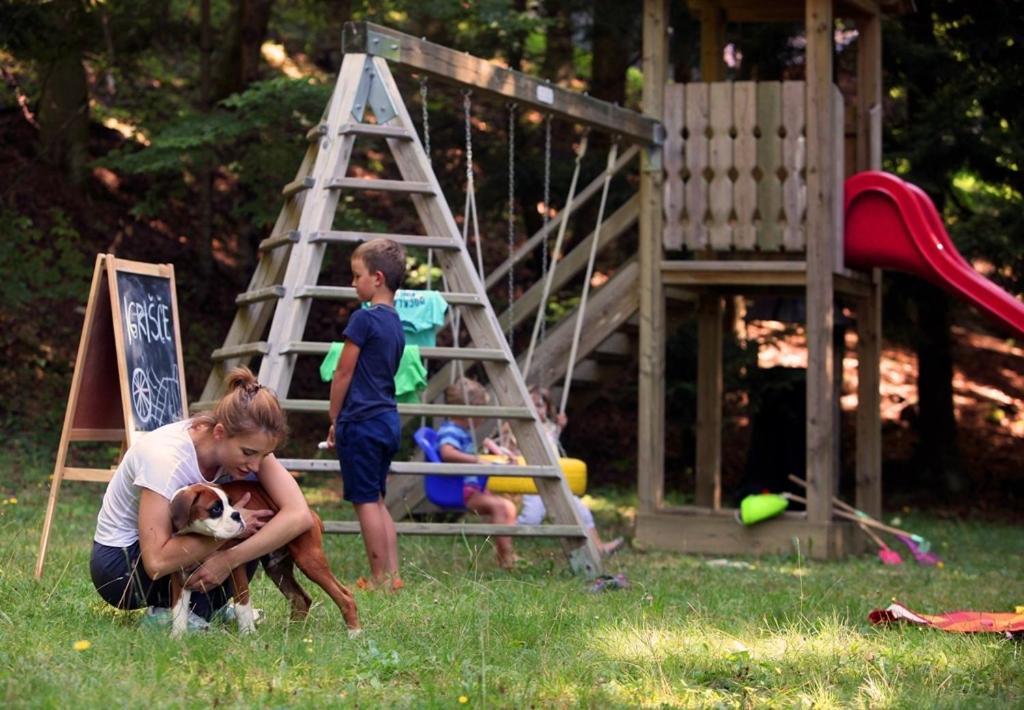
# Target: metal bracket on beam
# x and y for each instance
(362, 38)
(371, 94)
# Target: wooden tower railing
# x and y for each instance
(735, 166)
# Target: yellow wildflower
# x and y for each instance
(82, 645)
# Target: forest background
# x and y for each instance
(163, 131)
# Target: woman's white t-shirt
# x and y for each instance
(163, 461)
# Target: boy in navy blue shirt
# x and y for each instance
(366, 428)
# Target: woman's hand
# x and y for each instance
(253, 519)
(330, 437)
(210, 574)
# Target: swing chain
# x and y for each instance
(511, 219)
(469, 216)
(466, 107)
(426, 149)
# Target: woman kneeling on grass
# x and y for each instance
(234, 441)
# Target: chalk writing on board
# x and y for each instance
(150, 349)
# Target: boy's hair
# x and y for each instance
(465, 391)
(385, 256)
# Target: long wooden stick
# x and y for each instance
(874, 536)
(854, 517)
(852, 513)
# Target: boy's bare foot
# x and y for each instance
(509, 562)
(610, 548)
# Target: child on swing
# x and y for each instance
(533, 510)
(365, 428)
(455, 445)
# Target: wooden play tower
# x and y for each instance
(744, 197)
(740, 194)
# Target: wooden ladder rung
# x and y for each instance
(409, 240)
(483, 529)
(279, 240)
(316, 132)
(408, 186)
(267, 293)
(297, 347)
(319, 406)
(423, 468)
(474, 354)
(372, 129)
(347, 293)
(244, 350)
(299, 185)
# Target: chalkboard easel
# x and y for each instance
(129, 376)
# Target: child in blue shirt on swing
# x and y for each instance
(455, 445)
(365, 428)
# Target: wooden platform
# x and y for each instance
(719, 533)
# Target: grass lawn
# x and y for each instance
(782, 632)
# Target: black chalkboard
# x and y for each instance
(148, 331)
(129, 375)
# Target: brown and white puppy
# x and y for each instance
(206, 509)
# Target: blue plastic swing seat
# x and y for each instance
(442, 491)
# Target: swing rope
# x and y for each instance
(556, 254)
(582, 308)
(511, 221)
(546, 217)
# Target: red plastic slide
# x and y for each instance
(892, 224)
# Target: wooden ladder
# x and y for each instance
(284, 284)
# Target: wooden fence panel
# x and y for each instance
(674, 202)
(697, 158)
(794, 154)
(745, 160)
(720, 192)
(769, 161)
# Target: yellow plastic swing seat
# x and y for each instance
(574, 470)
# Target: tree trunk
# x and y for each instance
(937, 455)
(64, 106)
(204, 240)
(517, 40)
(613, 21)
(558, 64)
(238, 65)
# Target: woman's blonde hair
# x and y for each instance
(248, 407)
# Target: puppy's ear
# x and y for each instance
(181, 505)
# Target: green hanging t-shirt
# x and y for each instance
(421, 314)
(410, 380)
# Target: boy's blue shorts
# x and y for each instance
(365, 450)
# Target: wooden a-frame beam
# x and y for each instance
(461, 68)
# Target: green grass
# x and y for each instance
(786, 632)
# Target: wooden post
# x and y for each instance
(821, 187)
(709, 401)
(651, 395)
(869, 309)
